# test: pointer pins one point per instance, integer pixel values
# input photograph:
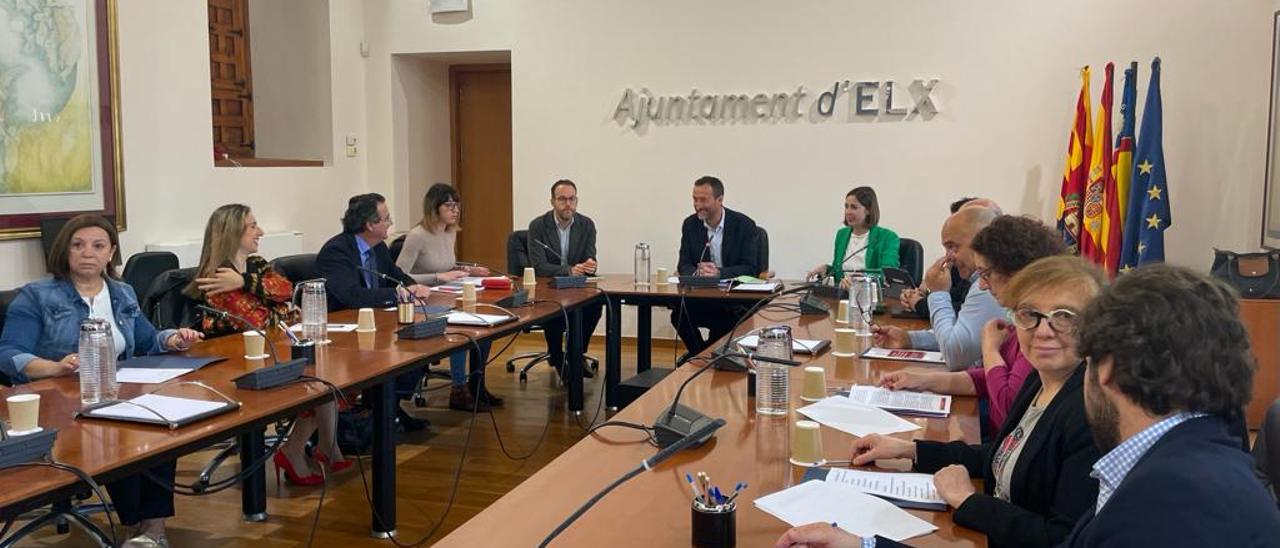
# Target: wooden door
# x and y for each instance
(481, 131)
(1261, 318)
(231, 77)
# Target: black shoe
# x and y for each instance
(462, 400)
(409, 423)
(490, 399)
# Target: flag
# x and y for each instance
(1093, 240)
(1148, 214)
(1075, 174)
(1122, 167)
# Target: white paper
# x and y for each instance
(333, 327)
(673, 279)
(149, 376)
(901, 486)
(458, 317)
(856, 512)
(926, 356)
(860, 420)
(171, 408)
(904, 401)
(447, 6)
(799, 346)
(765, 287)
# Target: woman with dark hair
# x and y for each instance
(41, 339)
(429, 256)
(233, 278)
(1001, 250)
(861, 244)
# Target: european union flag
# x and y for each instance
(1148, 212)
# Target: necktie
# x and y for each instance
(370, 264)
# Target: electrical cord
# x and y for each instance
(84, 477)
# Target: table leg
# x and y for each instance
(612, 352)
(644, 338)
(382, 399)
(573, 357)
(253, 492)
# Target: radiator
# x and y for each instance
(272, 245)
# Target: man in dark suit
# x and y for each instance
(1168, 368)
(362, 244)
(562, 242)
(719, 242)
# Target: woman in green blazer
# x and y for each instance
(862, 244)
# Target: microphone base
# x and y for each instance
(518, 298)
(699, 281)
(811, 304)
(271, 377)
(568, 282)
(669, 428)
(725, 362)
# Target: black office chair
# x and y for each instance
(396, 246)
(762, 237)
(296, 268)
(6, 298)
(143, 268)
(911, 258)
(1266, 451)
(517, 260)
(166, 306)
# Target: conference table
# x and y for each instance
(653, 509)
(352, 361)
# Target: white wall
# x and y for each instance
(289, 44)
(420, 103)
(1009, 80)
(171, 185)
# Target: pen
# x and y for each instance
(288, 333)
(696, 494)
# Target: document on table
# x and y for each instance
(855, 511)
(458, 317)
(893, 485)
(926, 356)
(334, 327)
(799, 346)
(860, 420)
(762, 287)
(149, 376)
(902, 401)
(168, 409)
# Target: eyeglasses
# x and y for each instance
(452, 206)
(568, 200)
(1061, 321)
(985, 274)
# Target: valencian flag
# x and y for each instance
(1148, 214)
(1075, 174)
(1118, 200)
(1101, 182)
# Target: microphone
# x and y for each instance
(225, 315)
(548, 248)
(675, 423)
(850, 255)
(387, 277)
(646, 464)
(723, 355)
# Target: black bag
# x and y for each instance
(355, 430)
(1254, 275)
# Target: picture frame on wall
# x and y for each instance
(1271, 192)
(60, 130)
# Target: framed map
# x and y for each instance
(59, 113)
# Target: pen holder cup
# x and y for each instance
(714, 528)
(304, 349)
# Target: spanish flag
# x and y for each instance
(1075, 174)
(1093, 238)
(1114, 214)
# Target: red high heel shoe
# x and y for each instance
(336, 466)
(283, 464)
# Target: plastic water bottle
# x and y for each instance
(97, 362)
(864, 296)
(315, 311)
(773, 380)
(642, 264)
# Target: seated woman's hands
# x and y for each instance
(953, 484)
(43, 369)
(224, 280)
(868, 449)
(452, 275)
(183, 339)
(910, 380)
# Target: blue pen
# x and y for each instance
(697, 495)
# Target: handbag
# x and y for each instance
(1253, 275)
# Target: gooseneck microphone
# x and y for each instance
(646, 464)
(275, 359)
(548, 248)
(722, 355)
(674, 424)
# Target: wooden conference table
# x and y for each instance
(653, 509)
(109, 450)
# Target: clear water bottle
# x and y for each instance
(864, 296)
(773, 380)
(642, 264)
(97, 355)
(315, 310)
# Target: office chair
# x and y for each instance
(396, 246)
(165, 304)
(911, 258)
(6, 298)
(762, 238)
(143, 268)
(296, 268)
(517, 260)
(1266, 451)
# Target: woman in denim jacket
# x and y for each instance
(41, 338)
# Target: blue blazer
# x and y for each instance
(338, 263)
(44, 322)
(1193, 488)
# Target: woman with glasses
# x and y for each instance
(1001, 250)
(861, 244)
(1035, 472)
(429, 256)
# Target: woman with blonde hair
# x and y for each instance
(231, 277)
